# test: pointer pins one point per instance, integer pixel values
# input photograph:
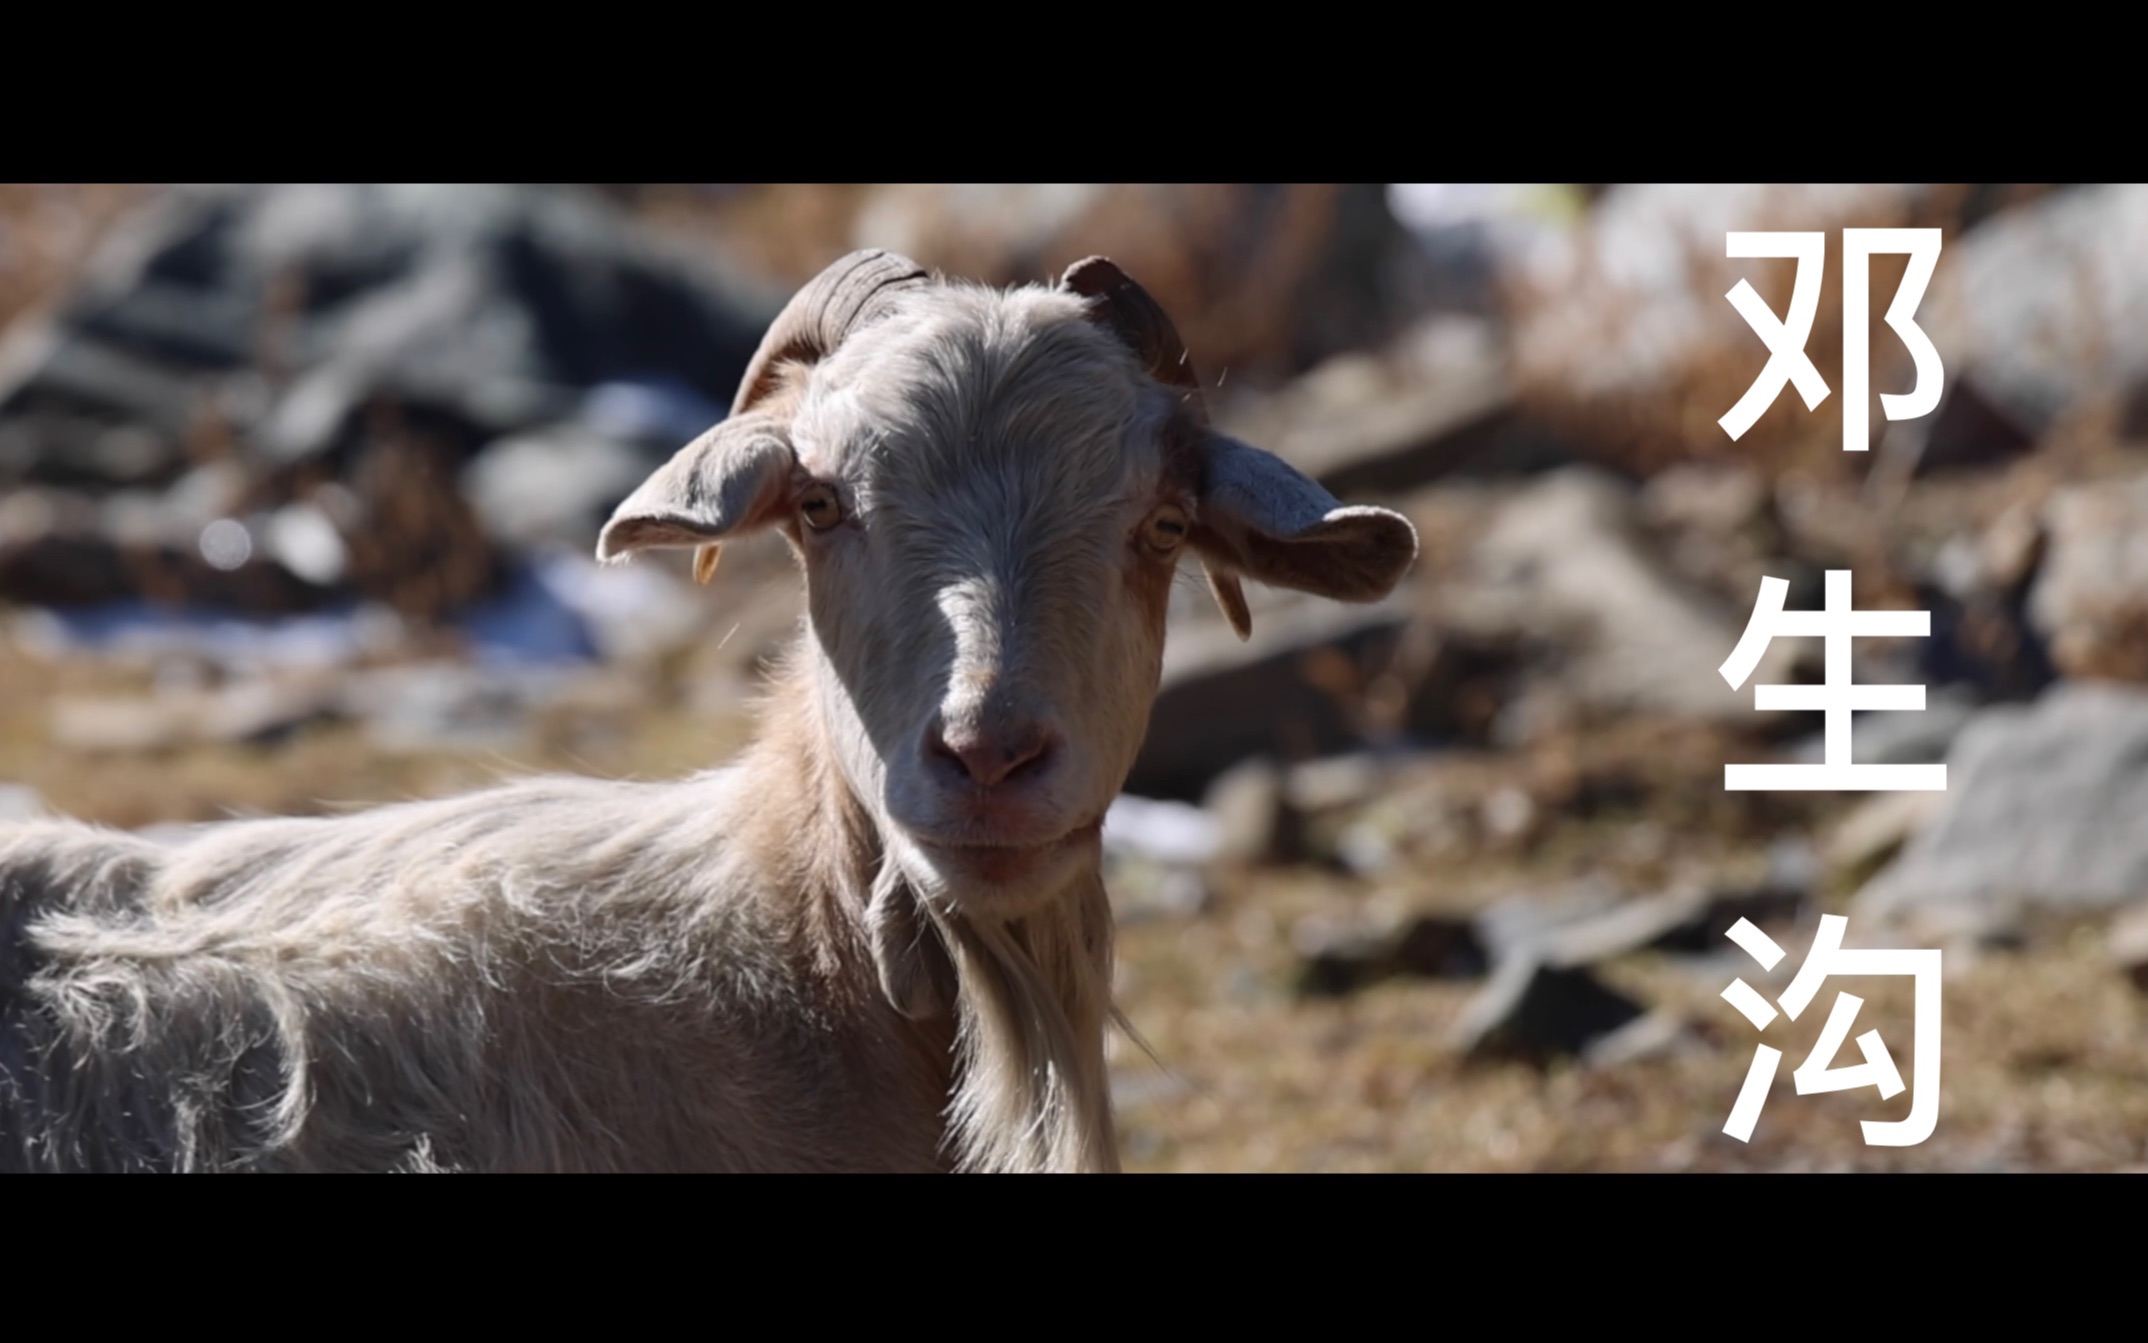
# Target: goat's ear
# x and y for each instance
(1261, 518)
(733, 479)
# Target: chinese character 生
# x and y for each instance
(1838, 698)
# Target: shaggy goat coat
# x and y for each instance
(561, 974)
(816, 959)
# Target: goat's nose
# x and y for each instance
(989, 757)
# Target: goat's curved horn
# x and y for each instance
(1140, 321)
(845, 295)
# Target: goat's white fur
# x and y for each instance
(763, 967)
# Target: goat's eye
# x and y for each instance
(1167, 529)
(820, 507)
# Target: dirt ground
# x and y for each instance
(2042, 1067)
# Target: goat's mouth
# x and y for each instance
(998, 860)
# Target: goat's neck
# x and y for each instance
(1021, 1005)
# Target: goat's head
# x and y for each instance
(990, 493)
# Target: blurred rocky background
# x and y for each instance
(298, 487)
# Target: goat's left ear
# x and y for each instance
(1262, 518)
(733, 479)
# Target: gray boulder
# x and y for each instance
(1535, 1011)
(2044, 306)
(2046, 807)
(1563, 568)
(286, 308)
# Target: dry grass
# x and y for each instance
(609, 730)
(2043, 1066)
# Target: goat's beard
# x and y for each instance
(1031, 997)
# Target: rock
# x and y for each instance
(2043, 808)
(303, 538)
(2011, 549)
(1586, 929)
(132, 552)
(1161, 832)
(1968, 429)
(1142, 889)
(1718, 528)
(1337, 961)
(382, 334)
(2090, 598)
(262, 711)
(1915, 738)
(1720, 498)
(1153, 852)
(1367, 847)
(662, 411)
(2045, 306)
(528, 621)
(1509, 815)
(1341, 781)
(1476, 234)
(74, 411)
(554, 486)
(1521, 923)
(253, 711)
(443, 706)
(2129, 945)
(1437, 402)
(407, 539)
(1331, 965)
(1313, 270)
(1292, 693)
(1656, 1034)
(1562, 568)
(1589, 924)
(636, 613)
(1255, 821)
(1623, 322)
(1537, 1012)
(1432, 947)
(1702, 931)
(1901, 737)
(118, 727)
(19, 802)
(1615, 932)
(563, 607)
(241, 646)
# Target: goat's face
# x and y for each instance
(989, 526)
(990, 494)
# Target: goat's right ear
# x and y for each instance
(732, 480)
(1262, 518)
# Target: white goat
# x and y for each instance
(878, 942)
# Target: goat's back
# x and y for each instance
(559, 974)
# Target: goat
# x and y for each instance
(877, 941)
